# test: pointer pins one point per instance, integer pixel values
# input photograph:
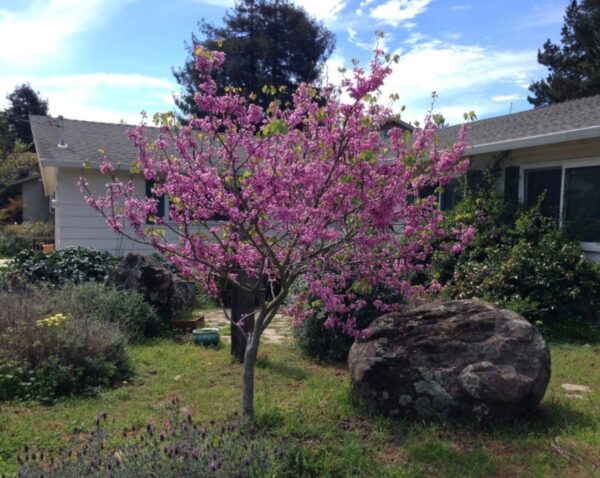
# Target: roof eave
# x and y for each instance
(539, 140)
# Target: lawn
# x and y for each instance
(311, 402)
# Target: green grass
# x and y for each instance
(312, 403)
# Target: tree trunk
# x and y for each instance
(248, 378)
(242, 305)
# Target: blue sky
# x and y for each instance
(107, 60)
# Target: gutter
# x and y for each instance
(539, 140)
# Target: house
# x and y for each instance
(62, 147)
(555, 150)
(36, 205)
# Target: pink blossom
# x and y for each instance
(311, 191)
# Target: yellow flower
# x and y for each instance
(52, 321)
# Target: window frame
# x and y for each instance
(563, 165)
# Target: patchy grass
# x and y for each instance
(313, 404)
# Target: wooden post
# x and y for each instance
(242, 305)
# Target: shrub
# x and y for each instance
(65, 265)
(221, 449)
(522, 261)
(15, 238)
(333, 344)
(44, 356)
(91, 300)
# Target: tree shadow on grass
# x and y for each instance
(547, 421)
(283, 369)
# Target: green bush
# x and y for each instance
(223, 449)
(128, 309)
(44, 356)
(65, 265)
(522, 261)
(15, 238)
(333, 344)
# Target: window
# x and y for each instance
(582, 203)
(571, 196)
(545, 182)
(451, 195)
(160, 207)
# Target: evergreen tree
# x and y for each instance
(575, 65)
(267, 43)
(23, 101)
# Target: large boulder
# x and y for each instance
(168, 293)
(464, 360)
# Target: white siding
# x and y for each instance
(79, 225)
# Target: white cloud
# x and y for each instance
(415, 38)
(325, 10)
(106, 97)
(506, 98)
(36, 36)
(395, 12)
(376, 41)
(464, 77)
(362, 5)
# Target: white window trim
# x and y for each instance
(563, 165)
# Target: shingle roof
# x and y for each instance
(563, 117)
(83, 139)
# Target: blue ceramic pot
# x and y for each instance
(206, 336)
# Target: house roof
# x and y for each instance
(568, 121)
(82, 140)
(30, 177)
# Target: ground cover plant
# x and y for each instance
(225, 448)
(312, 404)
(46, 353)
(135, 317)
(262, 197)
(76, 264)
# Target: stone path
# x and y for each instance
(280, 330)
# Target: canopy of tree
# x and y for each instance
(575, 65)
(269, 44)
(23, 101)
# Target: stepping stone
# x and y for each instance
(574, 397)
(570, 387)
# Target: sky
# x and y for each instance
(107, 60)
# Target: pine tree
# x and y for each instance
(24, 101)
(268, 43)
(575, 64)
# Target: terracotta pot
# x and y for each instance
(46, 248)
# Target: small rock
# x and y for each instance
(570, 387)
(574, 397)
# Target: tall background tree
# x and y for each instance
(23, 101)
(575, 64)
(268, 43)
(17, 159)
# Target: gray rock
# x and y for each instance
(464, 360)
(169, 294)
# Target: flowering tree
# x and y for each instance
(315, 190)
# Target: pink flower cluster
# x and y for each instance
(313, 191)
